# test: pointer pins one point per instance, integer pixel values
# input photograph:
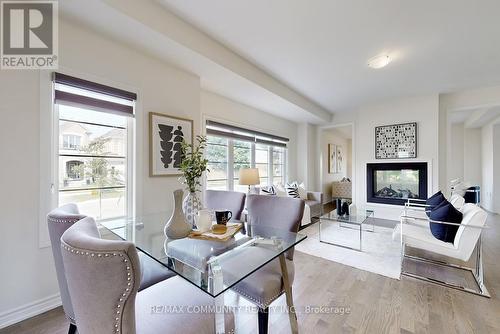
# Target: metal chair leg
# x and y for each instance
(72, 329)
(288, 293)
(477, 273)
(263, 320)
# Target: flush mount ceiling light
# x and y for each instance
(379, 61)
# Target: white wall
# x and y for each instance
(456, 148)
(472, 156)
(307, 156)
(333, 136)
(487, 188)
(423, 110)
(473, 99)
(219, 108)
(28, 273)
(496, 168)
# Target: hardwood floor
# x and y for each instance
(373, 304)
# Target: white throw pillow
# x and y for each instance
(302, 191)
(280, 191)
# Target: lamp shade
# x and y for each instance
(249, 176)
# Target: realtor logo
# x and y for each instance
(29, 35)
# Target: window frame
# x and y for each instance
(129, 160)
(230, 162)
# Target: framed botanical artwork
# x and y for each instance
(166, 134)
(398, 141)
(335, 159)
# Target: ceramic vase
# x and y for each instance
(191, 205)
(177, 227)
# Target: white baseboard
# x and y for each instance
(29, 310)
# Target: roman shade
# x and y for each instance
(235, 132)
(78, 92)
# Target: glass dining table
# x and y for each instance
(212, 266)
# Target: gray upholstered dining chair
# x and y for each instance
(228, 200)
(103, 279)
(62, 218)
(268, 283)
(58, 221)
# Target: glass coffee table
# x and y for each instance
(360, 221)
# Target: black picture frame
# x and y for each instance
(413, 140)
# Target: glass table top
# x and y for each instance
(213, 266)
(357, 217)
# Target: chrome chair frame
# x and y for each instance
(477, 272)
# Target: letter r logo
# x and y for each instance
(27, 28)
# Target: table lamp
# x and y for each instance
(249, 177)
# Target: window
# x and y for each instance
(93, 149)
(71, 142)
(242, 158)
(74, 169)
(230, 149)
(262, 163)
(278, 169)
(217, 155)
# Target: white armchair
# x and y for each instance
(415, 232)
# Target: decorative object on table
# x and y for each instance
(177, 227)
(249, 177)
(192, 167)
(345, 208)
(204, 220)
(335, 159)
(397, 141)
(473, 195)
(166, 134)
(213, 234)
(223, 216)
(339, 206)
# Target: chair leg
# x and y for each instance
(288, 294)
(72, 329)
(263, 320)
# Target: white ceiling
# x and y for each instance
(150, 28)
(320, 48)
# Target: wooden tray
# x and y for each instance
(232, 229)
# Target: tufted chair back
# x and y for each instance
(281, 213)
(227, 200)
(58, 221)
(103, 279)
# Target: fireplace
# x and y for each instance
(395, 183)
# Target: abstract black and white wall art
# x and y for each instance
(166, 134)
(397, 141)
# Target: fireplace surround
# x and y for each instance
(394, 183)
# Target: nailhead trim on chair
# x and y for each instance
(62, 221)
(259, 302)
(130, 282)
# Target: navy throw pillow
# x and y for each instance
(434, 201)
(445, 213)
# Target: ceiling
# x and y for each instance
(320, 48)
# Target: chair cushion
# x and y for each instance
(434, 201)
(152, 272)
(445, 212)
(167, 307)
(264, 285)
